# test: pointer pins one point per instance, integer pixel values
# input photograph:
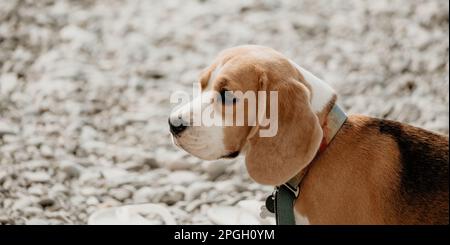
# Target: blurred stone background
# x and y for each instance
(85, 86)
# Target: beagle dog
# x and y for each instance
(374, 171)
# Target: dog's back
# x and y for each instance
(423, 189)
(378, 171)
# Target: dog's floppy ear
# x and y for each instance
(274, 160)
(205, 75)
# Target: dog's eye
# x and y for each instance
(227, 97)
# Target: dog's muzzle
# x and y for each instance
(177, 126)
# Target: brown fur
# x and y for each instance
(357, 180)
(263, 69)
(373, 172)
(285, 154)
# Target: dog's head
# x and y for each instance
(292, 142)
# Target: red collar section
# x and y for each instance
(335, 119)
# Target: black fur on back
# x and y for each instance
(424, 157)
(424, 171)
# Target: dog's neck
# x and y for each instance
(331, 124)
(287, 193)
(322, 95)
(330, 115)
(332, 120)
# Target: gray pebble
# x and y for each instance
(120, 194)
(215, 168)
(46, 202)
(71, 169)
(32, 211)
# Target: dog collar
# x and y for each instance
(281, 202)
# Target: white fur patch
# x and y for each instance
(300, 219)
(322, 93)
(203, 141)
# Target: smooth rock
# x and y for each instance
(144, 194)
(90, 191)
(32, 211)
(90, 176)
(8, 83)
(72, 170)
(120, 194)
(172, 197)
(6, 128)
(46, 202)
(222, 215)
(195, 189)
(22, 203)
(46, 151)
(214, 168)
(36, 190)
(92, 201)
(37, 177)
(182, 177)
(3, 176)
(117, 176)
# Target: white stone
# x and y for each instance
(92, 201)
(8, 82)
(37, 177)
(182, 177)
(22, 203)
(6, 128)
(36, 190)
(46, 151)
(143, 195)
(222, 215)
(120, 194)
(196, 189)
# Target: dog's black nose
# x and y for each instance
(177, 125)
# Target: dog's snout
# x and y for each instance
(177, 125)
